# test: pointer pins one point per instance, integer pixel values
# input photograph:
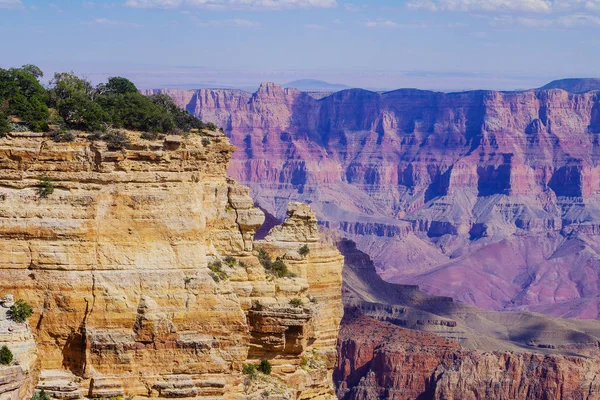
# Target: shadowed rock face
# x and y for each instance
(491, 198)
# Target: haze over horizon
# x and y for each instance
(380, 45)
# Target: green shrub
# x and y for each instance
(296, 302)
(5, 126)
(230, 261)
(149, 135)
(96, 135)
(6, 356)
(63, 136)
(211, 127)
(205, 142)
(217, 273)
(265, 367)
(276, 268)
(304, 250)
(45, 187)
(18, 128)
(41, 395)
(250, 370)
(116, 140)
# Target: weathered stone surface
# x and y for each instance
(18, 379)
(116, 263)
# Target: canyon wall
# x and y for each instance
(142, 272)
(491, 198)
(399, 343)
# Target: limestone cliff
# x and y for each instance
(17, 379)
(142, 272)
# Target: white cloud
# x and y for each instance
(567, 21)
(228, 4)
(315, 27)
(482, 5)
(386, 23)
(106, 21)
(354, 7)
(10, 3)
(530, 6)
(239, 23)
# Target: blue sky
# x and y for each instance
(379, 44)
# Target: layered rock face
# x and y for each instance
(142, 272)
(18, 379)
(491, 198)
(399, 343)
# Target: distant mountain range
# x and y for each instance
(574, 85)
(313, 85)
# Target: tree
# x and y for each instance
(23, 96)
(5, 126)
(6, 356)
(117, 85)
(33, 70)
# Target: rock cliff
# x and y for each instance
(399, 343)
(17, 379)
(490, 198)
(142, 272)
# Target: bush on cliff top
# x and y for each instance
(77, 104)
(277, 267)
(6, 356)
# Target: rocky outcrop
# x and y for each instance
(399, 343)
(379, 360)
(17, 380)
(141, 270)
(445, 191)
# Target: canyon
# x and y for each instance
(143, 276)
(489, 198)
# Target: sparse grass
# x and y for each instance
(217, 273)
(45, 187)
(149, 135)
(250, 370)
(296, 302)
(230, 261)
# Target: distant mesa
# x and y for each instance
(574, 85)
(313, 85)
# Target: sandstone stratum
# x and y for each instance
(144, 279)
(491, 198)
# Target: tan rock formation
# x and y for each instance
(141, 271)
(17, 380)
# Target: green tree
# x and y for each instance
(117, 85)
(22, 95)
(5, 126)
(6, 356)
(33, 70)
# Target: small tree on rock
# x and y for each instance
(6, 356)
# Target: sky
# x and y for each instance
(376, 44)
